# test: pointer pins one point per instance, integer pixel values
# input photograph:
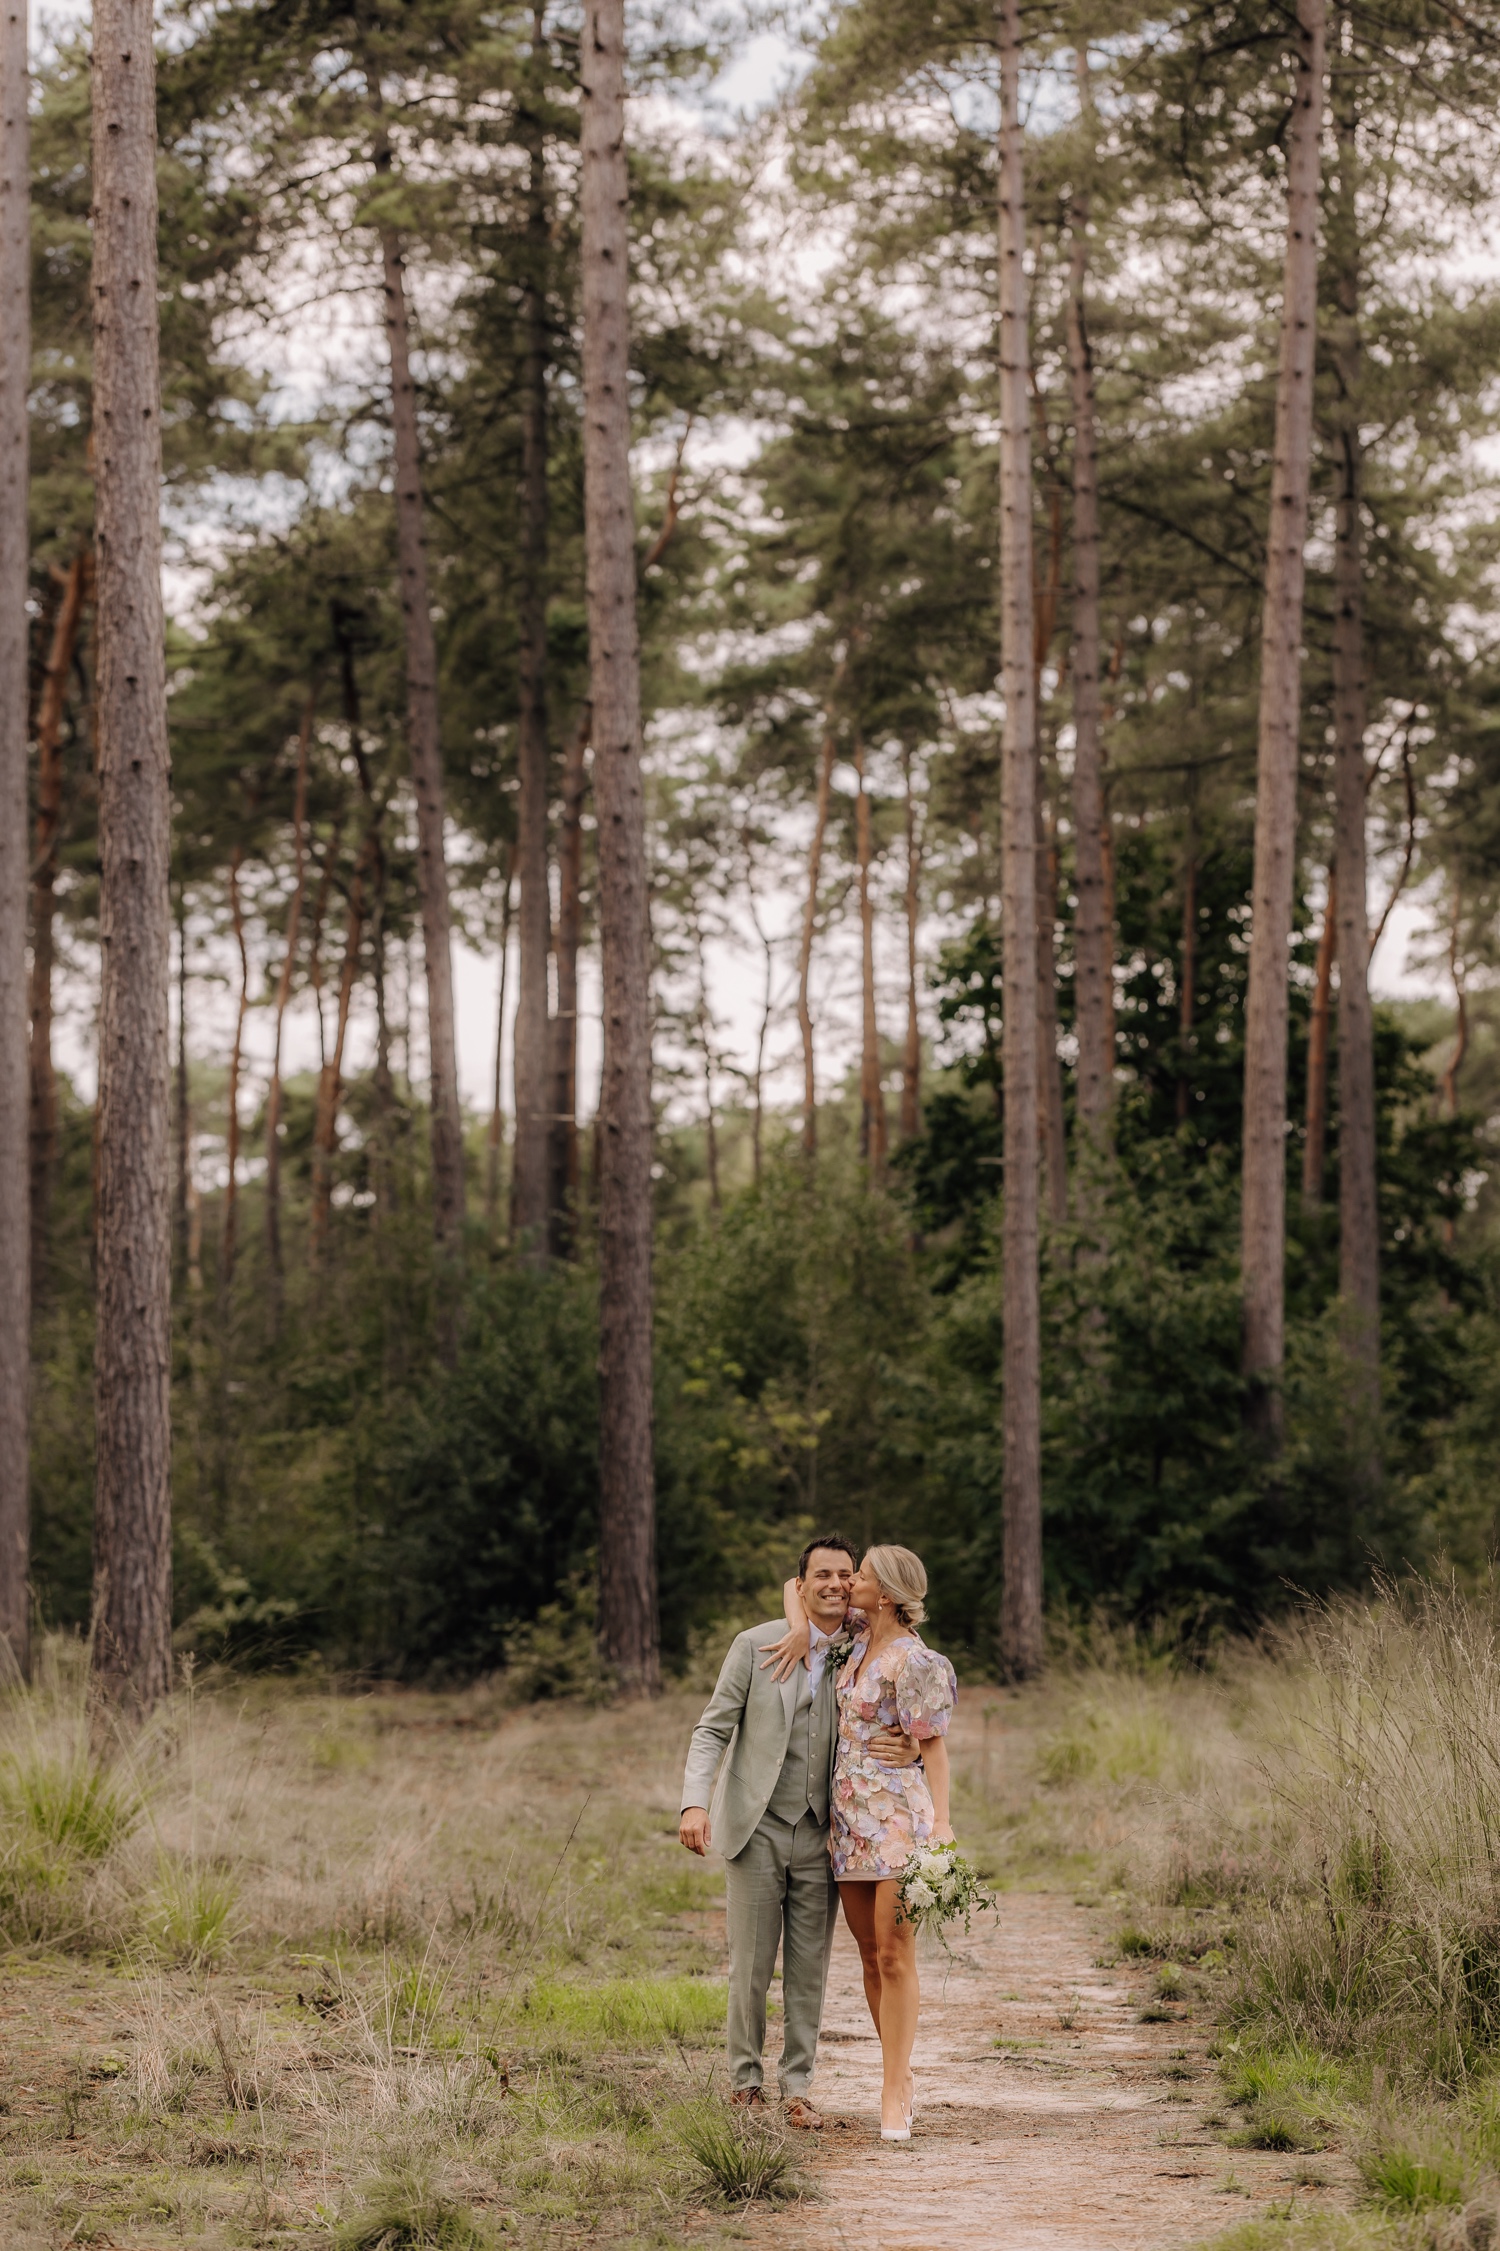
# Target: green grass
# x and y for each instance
(67, 1801)
(1404, 2182)
(631, 2011)
(745, 2159)
(190, 1914)
(404, 2210)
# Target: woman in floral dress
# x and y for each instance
(882, 1815)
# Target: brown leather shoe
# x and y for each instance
(748, 2098)
(799, 2112)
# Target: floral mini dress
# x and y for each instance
(881, 1815)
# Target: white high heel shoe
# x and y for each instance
(908, 2112)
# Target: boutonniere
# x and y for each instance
(839, 1648)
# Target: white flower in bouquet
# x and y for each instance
(938, 1887)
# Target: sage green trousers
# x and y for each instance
(779, 1892)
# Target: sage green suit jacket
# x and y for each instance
(742, 1738)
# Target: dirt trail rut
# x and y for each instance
(1049, 2118)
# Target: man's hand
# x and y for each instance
(692, 1829)
(891, 1748)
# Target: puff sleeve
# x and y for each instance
(926, 1692)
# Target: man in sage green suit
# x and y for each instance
(771, 1743)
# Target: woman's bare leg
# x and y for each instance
(900, 2000)
(888, 1957)
(859, 1914)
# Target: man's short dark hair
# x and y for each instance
(826, 1540)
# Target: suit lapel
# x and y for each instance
(789, 1697)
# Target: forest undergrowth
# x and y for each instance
(301, 1964)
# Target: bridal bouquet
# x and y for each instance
(938, 1887)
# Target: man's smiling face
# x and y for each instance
(825, 1589)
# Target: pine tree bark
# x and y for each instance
(132, 1608)
(565, 1171)
(331, 1077)
(763, 1030)
(628, 1630)
(426, 763)
(49, 780)
(1021, 1644)
(911, 1068)
(15, 1181)
(804, 952)
(1050, 1118)
(1263, 1208)
(229, 1239)
(495, 1141)
(1315, 1134)
(530, 1183)
(275, 1273)
(1359, 1216)
(1093, 946)
(872, 1120)
(182, 1149)
(1187, 973)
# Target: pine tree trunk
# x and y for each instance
(872, 1123)
(1315, 1140)
(1263, 1210)
(229, 1239)
(1021, 1646)
(274, 1268)
(495, 1142)
(1359, 1216)
(182, 1152)
(426, 767)
(1187, 974)
(530, 1182)
(49, 781)
(710, 1116)
(321, 898)
(15, 1181)
(911, 1068)
(804, 954)
(132, 1352)
(565, 1180)
(331, 1077)
(1093, 948)
(1050, 1118)
(628, 1633)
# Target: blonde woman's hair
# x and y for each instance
(903, 1577)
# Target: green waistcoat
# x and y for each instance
(803, 1781)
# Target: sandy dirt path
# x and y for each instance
(1049, 2117)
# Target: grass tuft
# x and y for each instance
(190, 1914)
(747, 2160)
(405, 2210)
(1404, 2182)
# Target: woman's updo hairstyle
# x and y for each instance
(903, 1578)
